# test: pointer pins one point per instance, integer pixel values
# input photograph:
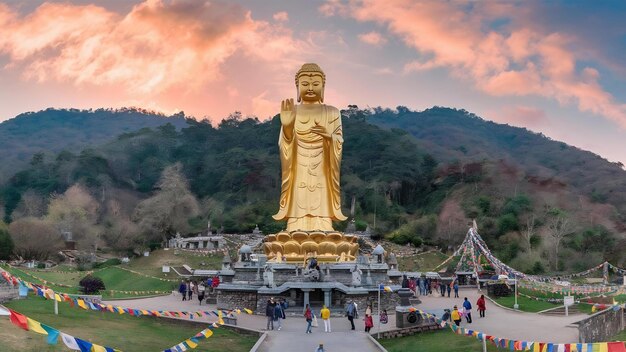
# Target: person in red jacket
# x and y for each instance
(481, 306)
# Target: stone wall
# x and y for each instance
(601, 326)
(236, 299)
(390, 334)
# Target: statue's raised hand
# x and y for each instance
(287, 112)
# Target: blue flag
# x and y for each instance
(53, 334)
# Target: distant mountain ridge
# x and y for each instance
(416, 177)
(52, 130)
(459, 136)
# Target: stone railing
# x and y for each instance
(601, 326)
(390, 334)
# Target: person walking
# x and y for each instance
(279, 315)
(201, 292)
(449, 289)
(369, 322)
(456, 316)
(351, 312)
(442, 288)
(480, 304)
(325, 314)
(182, 289)
(384, 318)
(368, 310)
(467, 306)
(455, 286)
(269, 313)
(308, 315)
(190, 286)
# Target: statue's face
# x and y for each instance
(310, 87)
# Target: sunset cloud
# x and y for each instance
(372, 38)
(511, 59)
(156, 47)
(281, 16)
(521, 116)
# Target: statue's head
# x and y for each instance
(310, 81)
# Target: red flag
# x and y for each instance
(19, 320)
(613, 346)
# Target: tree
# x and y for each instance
(6, 243)
(31, 204)
(76, 211)
(529, 229)
(559, 227)
(35, 238)
(170, 208)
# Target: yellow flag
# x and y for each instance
(604, 347)
(97, 348)
(207, 333)
(191, 343)
(57, 297)
(82, 304)
(247, 310)
(219, 318)
(35, 326)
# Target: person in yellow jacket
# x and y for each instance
(456, 316)
(325, 313)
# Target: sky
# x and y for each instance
(554, 67)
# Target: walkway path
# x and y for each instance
(499, 322)
(290, 338)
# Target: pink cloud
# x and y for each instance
(372, 38)
(158, 50)
(516, 59)
(520, 116)
(281, 16)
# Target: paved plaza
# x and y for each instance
(499, 322)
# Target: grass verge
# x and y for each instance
(124, 332)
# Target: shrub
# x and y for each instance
(91, 284)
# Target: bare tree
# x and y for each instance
(35, 238)
(76, 211)
(559, 227)
(170, 208)
(32, 204)
(529, 229)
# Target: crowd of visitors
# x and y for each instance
(199, 288)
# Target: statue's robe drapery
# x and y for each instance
(310, 164)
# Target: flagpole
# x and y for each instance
(56, 306)
(484, 343)
(379, 311)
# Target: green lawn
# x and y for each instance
(525, 304)
(113, 277)
(124, 332)
(439, 341)
(421, 262)
(153, 264)
(22, 274)
(123, 280)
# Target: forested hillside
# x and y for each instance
(52, 130)
(417, 178)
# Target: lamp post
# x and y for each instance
(379, 285)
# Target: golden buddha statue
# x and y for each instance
(310, 145)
